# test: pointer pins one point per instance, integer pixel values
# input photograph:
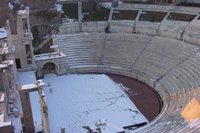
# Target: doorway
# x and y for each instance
(18, 63)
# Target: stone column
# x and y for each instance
(164, 19)
(80, 14)
(28, 20)
(44, 110)
(32, 57)
(27, 112)
(6, 90)
(136, 20)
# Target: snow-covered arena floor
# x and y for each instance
(75, 101)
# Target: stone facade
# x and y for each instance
(22, 38)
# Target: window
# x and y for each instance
(18, 63)
(28, 54)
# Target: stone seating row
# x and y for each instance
(170, 66)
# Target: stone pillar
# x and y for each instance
(164, 19)
(107, 28)
(32, 57)
(28, 20)
(27, 112)
(80, 14)
(44, 109)
(110, 15)
(6, 90)
(136, 20)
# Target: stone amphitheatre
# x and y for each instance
(152, 54)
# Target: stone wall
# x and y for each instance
(43, 17)
(39, 4)
(3, 12)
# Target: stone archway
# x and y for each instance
(50, 63)
(48, 68)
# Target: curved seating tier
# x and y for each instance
(170, 66)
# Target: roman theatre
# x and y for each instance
(98, 69)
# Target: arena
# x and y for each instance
(137, 70)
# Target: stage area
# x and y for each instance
(75, 101)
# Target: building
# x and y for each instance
(8, 87)
(21, 37)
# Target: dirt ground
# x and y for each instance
(143, 96)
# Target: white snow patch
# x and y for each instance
(35, 104)
(75, 101)
(59, 7)
(108, 5)
(16, 122)
(26, 77)
(68, 20)
(10, 5)
(3, 33)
